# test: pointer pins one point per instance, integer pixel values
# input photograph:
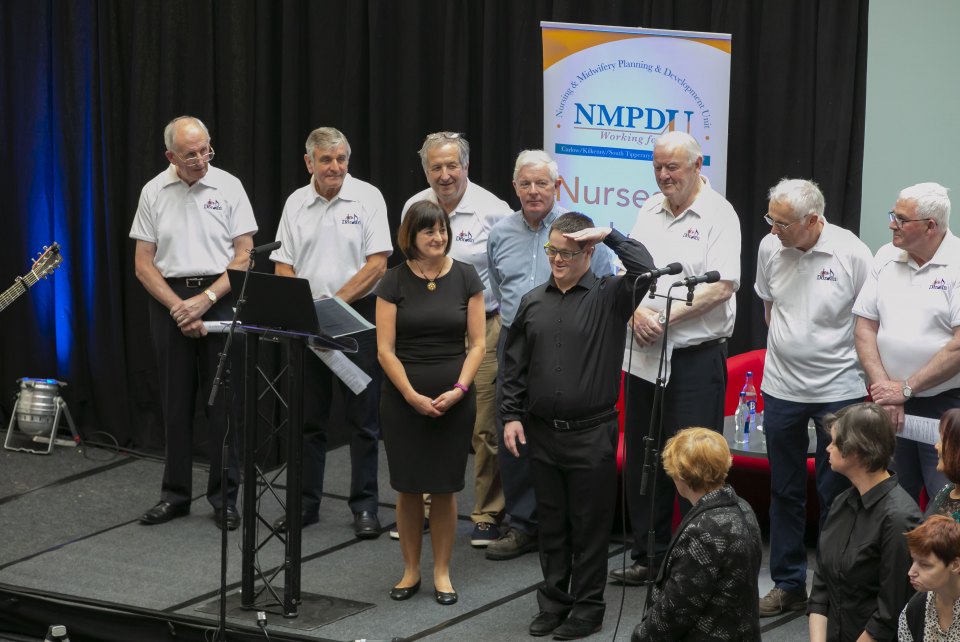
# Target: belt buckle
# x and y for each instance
(561, 424)
(194, 281)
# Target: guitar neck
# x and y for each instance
(16, 290)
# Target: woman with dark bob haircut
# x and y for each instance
(425, 308)
(947, 500)
(860, 585)
(930, 615)
(707, 585)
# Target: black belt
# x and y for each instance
(701, 346)
(193, 281)
(493, 313)
(586, 423)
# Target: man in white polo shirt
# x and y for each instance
(809, 273)
(908, 326)
(193, 222)
(689, 223)
(334, 232)
(473, 211)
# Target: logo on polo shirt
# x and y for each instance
(464, 237)
(351, 219)
(938, 284)
(826, 274)
(213, 204)
(692, 233)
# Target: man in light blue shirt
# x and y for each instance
(518, 263)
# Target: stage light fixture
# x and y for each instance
(56, 633)
(36, 417)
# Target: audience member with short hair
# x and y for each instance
(932, 613)
(707, 585)
(860, 585)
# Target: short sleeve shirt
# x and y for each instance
(470, 224)
(811, 356)
(328, 242)
(918, 308)
(193, 226)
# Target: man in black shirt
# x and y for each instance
(561, 382)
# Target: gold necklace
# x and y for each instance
(431, 283)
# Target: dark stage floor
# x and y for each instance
(70, 530)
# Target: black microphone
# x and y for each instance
(268, 247)
(673, 268)
(709, 277)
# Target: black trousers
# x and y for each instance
(182, 365)
(693, 397)
(575, 477)
(362, 413)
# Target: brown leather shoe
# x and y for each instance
(778, 601)
(633, 575)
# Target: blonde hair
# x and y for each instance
(699, 457)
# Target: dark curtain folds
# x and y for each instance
(86, 88)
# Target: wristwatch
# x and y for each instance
(662, 319)
(211, 295)
(907, 390)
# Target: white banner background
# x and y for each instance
(610, 92)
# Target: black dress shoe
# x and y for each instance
(164, 512)
(230, 517)
(366, 525)
(444, 598)
(545, 623)
(575, 628)
(405, 593)
(280, 523)
(633, 575)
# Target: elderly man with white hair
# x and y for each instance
(908, 326)
(518, 264)
(809, 273)
(689, 223)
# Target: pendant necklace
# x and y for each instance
(431, 282)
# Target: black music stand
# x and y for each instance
(281, 310)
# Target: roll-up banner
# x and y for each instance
(610, 92)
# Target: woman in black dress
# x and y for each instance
(425, 308)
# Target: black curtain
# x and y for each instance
(87, 86)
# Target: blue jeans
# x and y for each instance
(785, 427)
(916, 463)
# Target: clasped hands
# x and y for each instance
(188, 315)
(889, 395)
(435, 407)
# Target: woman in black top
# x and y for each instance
(861, 585)
(425, 308)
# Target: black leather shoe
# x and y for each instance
(405, 593)
(366, 525)
(164, 512)
(634, 575)
(444, 598)
(545, 623)
(280, 523)
(230, 517)
(575, 628)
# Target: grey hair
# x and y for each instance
(684, 141)
(438, 139)
(536, 158)
(932, 202)
(326, 138)
(169, 130)
(804, 197)
(865, 430)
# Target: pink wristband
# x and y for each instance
(465, 389)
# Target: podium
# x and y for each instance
(295, 345)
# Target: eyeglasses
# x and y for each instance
(781, 226)
(194, 159)
(566, 255)
(899, 221)
(526, 186)
(444, 136)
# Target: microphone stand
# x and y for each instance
(225, 454)
(651, 451)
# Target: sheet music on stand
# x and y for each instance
(340, 320)
(923, 429)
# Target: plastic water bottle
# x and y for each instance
(741, 421)
(750, 393)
